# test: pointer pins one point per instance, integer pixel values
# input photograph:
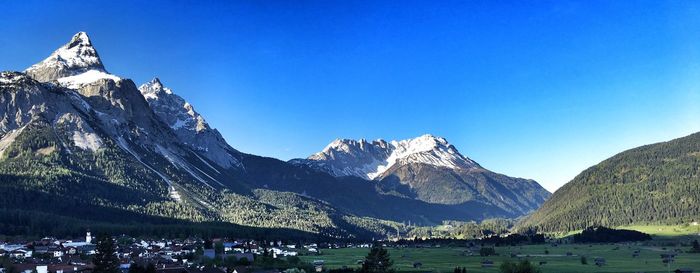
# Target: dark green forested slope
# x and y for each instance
(45, 189)
(657, 183)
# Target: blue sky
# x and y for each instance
(534, 89)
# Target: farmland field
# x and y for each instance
(445, 259)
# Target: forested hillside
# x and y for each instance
(657, 183)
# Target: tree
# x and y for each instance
(377, 261)
(6, 264)
(230, 261)
(105, 259)
(219, 248)
(243, 261)
(696, 247)
(151, 268)
(521, 267)
(487, 251)
(135, 268)
(293, 260)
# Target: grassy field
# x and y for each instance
(664, 230)
(444, 260)
(673, 232)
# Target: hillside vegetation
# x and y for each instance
(652, 184)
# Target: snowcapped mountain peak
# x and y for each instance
(370, 160)
(154, 89)
(76, 57)
(177, 112)
(81, 38)
(422, 143)
(156, 84)
(189, 126)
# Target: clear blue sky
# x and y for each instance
(540, 90)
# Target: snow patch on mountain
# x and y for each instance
(87, 77)
(10, 77)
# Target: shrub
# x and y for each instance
(487, 251)
(521, 267)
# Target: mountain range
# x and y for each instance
(426, 168)
(83, 147)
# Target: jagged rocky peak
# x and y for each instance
(13, 78)
(76, 57)
(190, 127)
(173, 109)
(154, 89)
(370, 160)
(351, 146)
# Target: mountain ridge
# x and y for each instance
(426, 168)
(379, 155)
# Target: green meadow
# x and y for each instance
(666, 230)
(659, 232)
(619, 258)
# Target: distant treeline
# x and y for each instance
(511, 239)
(464, 230)
(600, 234)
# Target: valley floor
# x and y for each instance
(443, 260)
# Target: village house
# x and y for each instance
(21, 253)
(53, 250)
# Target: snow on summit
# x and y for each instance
(77, 54)
(86, 77)
(73, 64)
(370, 160)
